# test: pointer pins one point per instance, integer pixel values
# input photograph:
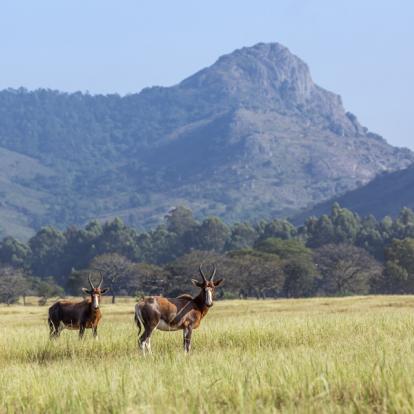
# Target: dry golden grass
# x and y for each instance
(312, 355)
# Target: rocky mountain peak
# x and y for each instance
(266, 71)
(268, 76)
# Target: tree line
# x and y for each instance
(336, 254)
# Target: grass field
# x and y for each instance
(314, 355)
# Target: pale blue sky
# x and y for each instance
(361, 49)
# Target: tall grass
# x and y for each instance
(315, 355)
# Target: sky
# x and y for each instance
(360, 49)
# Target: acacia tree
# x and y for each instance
(147, 279)
(300, 275)
(346, 269)
(115, 269)
(255, 273)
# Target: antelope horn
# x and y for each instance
(213, 274)
(100, 282)
(201, 273)
(90, 282)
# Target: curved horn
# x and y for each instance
(213, 274)
(90, 281)
(201, 273)
(100, 282)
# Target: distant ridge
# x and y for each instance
(251, 136)
(384, 196)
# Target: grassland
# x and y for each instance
(315, 355)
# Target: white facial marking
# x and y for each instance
(96, 301)
(209, 297)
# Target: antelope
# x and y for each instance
(172, 314)
(77, 315)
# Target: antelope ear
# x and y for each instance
(218, 282)
(197, 283)
(87, 291)
(103, 291)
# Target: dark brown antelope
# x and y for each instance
(183, 312)
(77, 315)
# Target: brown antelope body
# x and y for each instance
(171, 314)
(77, 315)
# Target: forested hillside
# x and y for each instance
(250, 136)
(336, 254)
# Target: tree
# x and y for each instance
(243, 235)
(255, 273)
(181, 224)
(345, 269)
(115, 270)
(280, 229)
(212, 235)
(180, 220)
(46, 288)
(116, 237)
(404, 225)
(300, 277)
(371, 238)
(12, 284)
(160, 245)
(298, 266)
(399, 267)
(47, 247)
(395, 279)
(14, 253)
(147, 279)
(346, 224)
(319, 231)
(81, 246)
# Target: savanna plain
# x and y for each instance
(340, 355)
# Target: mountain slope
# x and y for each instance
(248, 137)
(385, 195)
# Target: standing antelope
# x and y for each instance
(77, 315)
(183, 312)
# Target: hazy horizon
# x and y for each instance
(362, 52)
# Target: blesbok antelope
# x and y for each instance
(77, 315)
(172, 314)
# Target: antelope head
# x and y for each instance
(207, 286)
(95, 292)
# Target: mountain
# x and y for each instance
(251, 136)
(384, 196)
